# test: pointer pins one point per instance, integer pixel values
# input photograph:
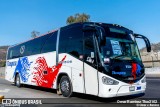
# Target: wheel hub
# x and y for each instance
(65, 86)
(17, 81)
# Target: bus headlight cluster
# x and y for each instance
(109, 81)
(143, 80)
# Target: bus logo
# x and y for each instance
(6, 101)
(118, 73)
(128, 66)
(22, 49)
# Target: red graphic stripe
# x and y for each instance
(45, 80)
(134, 69)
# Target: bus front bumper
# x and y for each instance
(131, 90)
(108, 91)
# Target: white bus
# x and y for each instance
(92, 58)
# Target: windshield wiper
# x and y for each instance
(118, 56)
(115, 57)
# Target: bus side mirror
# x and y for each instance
(88, 27)
(147, 42)
(102, 36)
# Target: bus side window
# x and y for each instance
(11, 54)
(16, 52)
(50, 43)
(71, 41)
(34, 46)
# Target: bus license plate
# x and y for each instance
(132, 88)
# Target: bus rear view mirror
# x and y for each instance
(147, 42)
(99, 31)
(89, 27)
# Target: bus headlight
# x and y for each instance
(109, 81)
(143, 80)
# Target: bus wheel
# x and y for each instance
(17, 81)
(66, 87)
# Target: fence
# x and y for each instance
(151, 64)
(2, 71)
(152, 72)
(151, 60)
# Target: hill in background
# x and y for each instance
(154, 46)
(3, 51)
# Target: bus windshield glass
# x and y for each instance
(117, 48)
(120, 44)
(120, 55)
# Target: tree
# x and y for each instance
(70, 20)
(34, 34)
(78, 18)
(2, 63)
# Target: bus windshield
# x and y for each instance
(120, 44)
(120, 55)
(116, 48)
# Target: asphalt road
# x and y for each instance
(10, 91)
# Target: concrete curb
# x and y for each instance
(152, 72)
(153, 75)
(2, 77)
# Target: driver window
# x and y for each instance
(89, 54)
(126, 49)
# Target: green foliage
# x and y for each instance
(34, 34)
(78, 18)
(2, 63)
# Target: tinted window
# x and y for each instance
(89, 51)
(71, 41)
(118, 32)
(50, 44)
(34, 46)
(31, 47)
(14, 52)
(10, 52)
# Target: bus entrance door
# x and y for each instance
(90, 71)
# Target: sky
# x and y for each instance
(18, 18)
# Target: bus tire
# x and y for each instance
(17, 81)
(66, 86)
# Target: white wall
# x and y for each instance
(153, 72)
